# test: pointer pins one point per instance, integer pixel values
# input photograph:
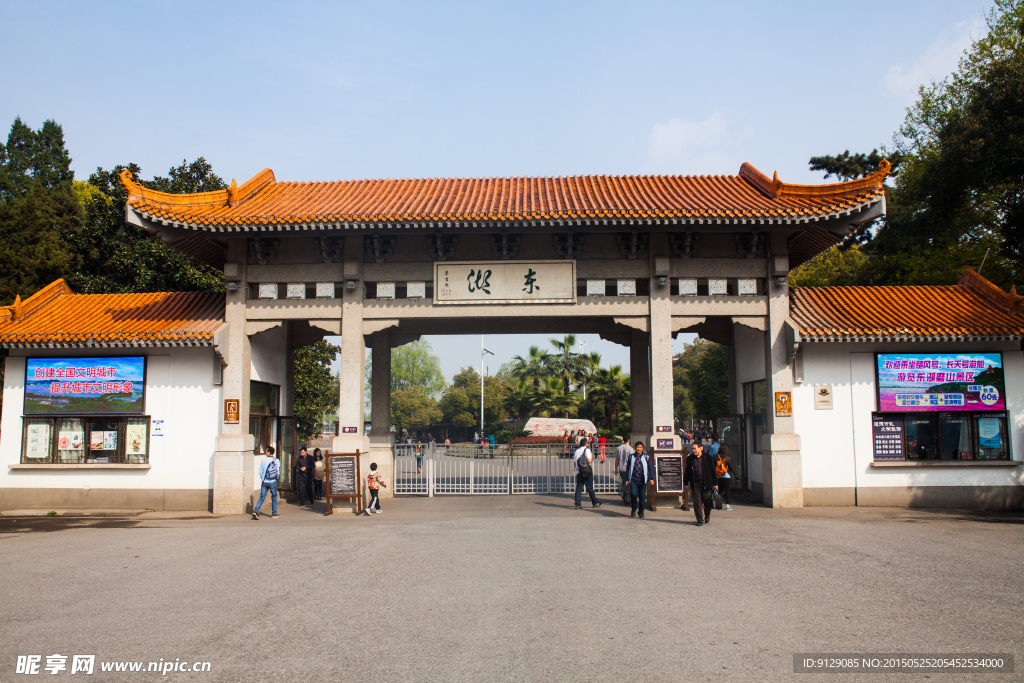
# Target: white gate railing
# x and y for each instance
(471, 469)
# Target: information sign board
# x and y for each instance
(887, 436)
(63, 386)
(343, 479)
(669, 470)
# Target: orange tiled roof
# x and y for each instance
(54, 316)
(262, 202)
(972, 309)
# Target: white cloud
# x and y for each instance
(691, 146)
(935, 63)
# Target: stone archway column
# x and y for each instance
(660, 325)
(640, 386)
(353, 359)
(381, 439)
(233, 459)
(780, 445)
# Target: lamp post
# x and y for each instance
(582, 344)
(483, 352)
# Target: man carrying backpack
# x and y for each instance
(582, 463)
(270, 471)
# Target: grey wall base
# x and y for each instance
(106, 499)
(966, 497)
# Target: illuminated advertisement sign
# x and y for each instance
(62, 386)
(921, 382)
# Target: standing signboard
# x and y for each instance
(343, 480)
(887, 437)
(668, 477)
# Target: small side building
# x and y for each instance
(110, 401)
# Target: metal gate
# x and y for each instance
(434, 469)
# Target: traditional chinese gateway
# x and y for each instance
(839, 396)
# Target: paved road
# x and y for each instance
(511, 587)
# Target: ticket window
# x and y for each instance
(922, 440)
(957, 443)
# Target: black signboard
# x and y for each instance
(343, 479)
(887, 436)
(670, 473)
(343, 475)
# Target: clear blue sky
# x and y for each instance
(332, 90)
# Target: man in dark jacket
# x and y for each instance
(701, 477)
(304, 465)
(640, 473)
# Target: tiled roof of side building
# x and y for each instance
(972, 309)
(54, 316)
(263, 201)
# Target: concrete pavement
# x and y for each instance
(511, 587)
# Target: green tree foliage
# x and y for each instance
(117, 257)
(461, 401)
(612, 387)
(415, 365)
(960, 190)
(566, 363)
(315, 389)
(702, 371)
(535, 366)
(37, 206)
(412, 408)
(836, 267)
(848, 166)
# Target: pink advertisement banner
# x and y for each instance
(923, 382)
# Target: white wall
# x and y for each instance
(836, 445)
(179, 391)
(270, 356)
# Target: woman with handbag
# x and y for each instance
(725, 472)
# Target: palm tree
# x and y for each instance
(568, 362)
(613, 386)
(532, 368)
(550, 400)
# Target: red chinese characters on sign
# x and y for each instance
(72, 372)
(91, 387)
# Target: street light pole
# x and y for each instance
(483, 352)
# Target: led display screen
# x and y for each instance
(921, 382)
(65, 386)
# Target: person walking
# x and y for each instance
(373, 482)
(303, 478)
(640, 473)
(725, 472)
(622, 454)
(582, 462)
(700, 475)
(270, 471)
(318, 474)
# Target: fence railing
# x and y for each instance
(466, 468)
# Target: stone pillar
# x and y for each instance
(662, 403)
(233, 461)
(381, 440)
(353, 359)
(640, 386)
(780, 445)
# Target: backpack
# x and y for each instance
(721, 468)
(583, 464)
(272, 471)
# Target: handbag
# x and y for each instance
(716, 497)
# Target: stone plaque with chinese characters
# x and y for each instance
(504, 282)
